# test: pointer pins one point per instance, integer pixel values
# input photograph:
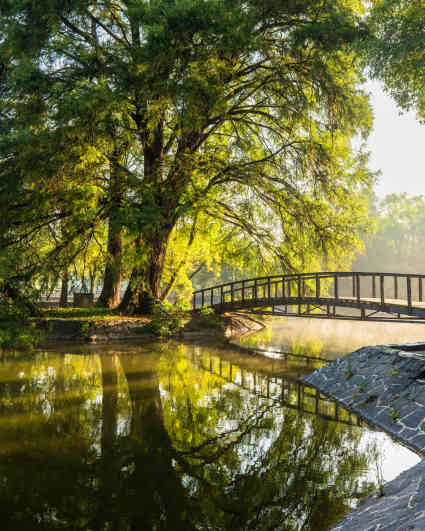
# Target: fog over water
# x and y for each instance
(331, 338)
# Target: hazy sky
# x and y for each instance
(397, 146)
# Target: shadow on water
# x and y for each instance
(172, 436)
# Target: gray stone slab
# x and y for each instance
(385, 385)
(402, 507)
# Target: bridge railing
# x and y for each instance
(383, 288)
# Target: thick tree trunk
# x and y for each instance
(63, 301)
(144, 288)
(110, 295)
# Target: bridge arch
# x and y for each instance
(373, 296)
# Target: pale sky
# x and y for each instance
(397, 146)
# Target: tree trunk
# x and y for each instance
(110, 295)
(144, 288)
(63, 301)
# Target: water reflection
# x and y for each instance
(173, 437)
(328, 339)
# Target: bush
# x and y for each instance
(210, 318)
(165, 322)
(18, 335)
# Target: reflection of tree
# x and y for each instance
(197, 454)
(160, 497)
(46, 441)
(303, 480)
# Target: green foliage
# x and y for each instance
(210, 318)
(394, 414)
(19, 335)
(165, 322)
(349, 372)
(79, 313)
(229, 130)
(84, 330)
(394, 50)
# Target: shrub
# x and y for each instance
(165, 322)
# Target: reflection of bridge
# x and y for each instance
(287, 392)
(372, 296)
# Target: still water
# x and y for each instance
(172, 436)
(329, 339)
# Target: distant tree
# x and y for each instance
(399, 243)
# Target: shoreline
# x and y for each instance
(84, 330)
(385, 386)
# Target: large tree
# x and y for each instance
(240, 111)
(395, 50)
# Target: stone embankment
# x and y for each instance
(134, 328)
(385, 385)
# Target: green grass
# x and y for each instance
(80, 313)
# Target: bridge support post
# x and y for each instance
(358, 287)
(317, 287)
(420, 290)
(395, 287)
(382, 289)
(362, 314)
(409, 295)
(373, 287)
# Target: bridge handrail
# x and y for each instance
(274, 281)
(313, 275)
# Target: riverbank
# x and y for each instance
(109, 327)
(384, 385)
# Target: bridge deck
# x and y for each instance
(377, 296)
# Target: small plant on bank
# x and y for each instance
(371, 398)
(210, 318)
(17, 332)
(395, 372)
(19, 336)
(165, 322)
(85, 330)
(394, 414)
(349, 372)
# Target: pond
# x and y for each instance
(328, 339)
(178, 436)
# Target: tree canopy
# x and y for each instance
(395, 50)
(165, 117)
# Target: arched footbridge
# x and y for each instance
(329, 295)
